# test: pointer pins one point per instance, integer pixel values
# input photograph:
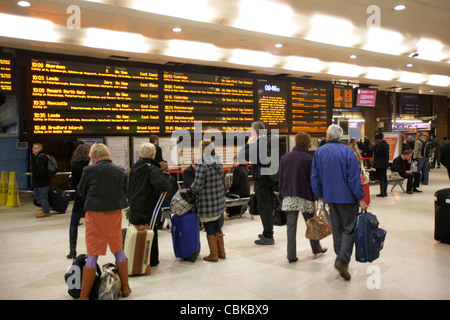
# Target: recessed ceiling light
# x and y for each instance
(431, 91)
(400, 7)
(409, 65)
(23, 4)
(353, 56)
(177, 29)
(279, 45)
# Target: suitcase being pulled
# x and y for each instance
(138, 243)
(186, 236)
(58, 199)
(137, 248)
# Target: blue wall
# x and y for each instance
(13, 159)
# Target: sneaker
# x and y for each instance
(263, 241)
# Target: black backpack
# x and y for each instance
(74, 276)
(52, 165)
(427, 148)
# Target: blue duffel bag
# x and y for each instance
(369, 238)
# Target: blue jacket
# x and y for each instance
(335, 174)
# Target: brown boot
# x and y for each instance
(87, 282)
(221, 245)
(122, 271)
(213, 250)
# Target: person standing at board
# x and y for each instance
(104, 186)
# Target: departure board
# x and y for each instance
(221, 102)
(272, 104)
(74, 98)
(343, 97)
(6, 74)
(309, 108)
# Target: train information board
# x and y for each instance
(309, 108)
(6, 74)
(343, 97)
(74, 98)
(221, 102)
(272, 104)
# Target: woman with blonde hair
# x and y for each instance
(208, 185)
(104, 186)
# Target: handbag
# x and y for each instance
(318, 227)
(110, 285)
(279, 217)
(181, 203)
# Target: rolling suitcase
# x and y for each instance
(442, 215)
(186, 236)
(138, 244)
(58, 199)
(369, 238)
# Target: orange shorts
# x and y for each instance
(103, 229)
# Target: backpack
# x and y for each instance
(74, 276)
(52, 165)
(426, 149)
(369, 238)
(110, 285)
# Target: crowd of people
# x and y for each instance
(331, 176)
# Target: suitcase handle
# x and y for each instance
(156, 210)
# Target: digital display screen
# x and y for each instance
(366, 97)
(6, 74)
(272, 104)
(309, 108)
(343, 97)
(220, 102)
(73, 98)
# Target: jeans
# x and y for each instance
(342, 218)
(40, 194)
(263, 188)
(423, 165)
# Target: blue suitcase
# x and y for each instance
(369, 238)
(186, 236)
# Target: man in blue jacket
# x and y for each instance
(336, 180)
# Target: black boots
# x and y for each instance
(73, 235)
(383, 189)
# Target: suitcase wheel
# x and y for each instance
(194, 255)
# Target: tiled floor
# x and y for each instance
(412, 265)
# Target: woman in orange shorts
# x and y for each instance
(104, 185)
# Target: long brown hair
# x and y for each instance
(80, 154)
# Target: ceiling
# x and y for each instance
(318, 36)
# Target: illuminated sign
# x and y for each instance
(73, 98)
(343, 97)
(272, 105)
(6, 74)
(217, 101)
(309, 108)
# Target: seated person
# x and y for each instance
(402, 165)
(239, 186)
(189, 175)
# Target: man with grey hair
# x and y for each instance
(336, 180)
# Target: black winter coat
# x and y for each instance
(104, 186)
(381, 155)
(146, 183)
(39, 170)
(77, 171)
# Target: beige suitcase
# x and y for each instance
(138, 245)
